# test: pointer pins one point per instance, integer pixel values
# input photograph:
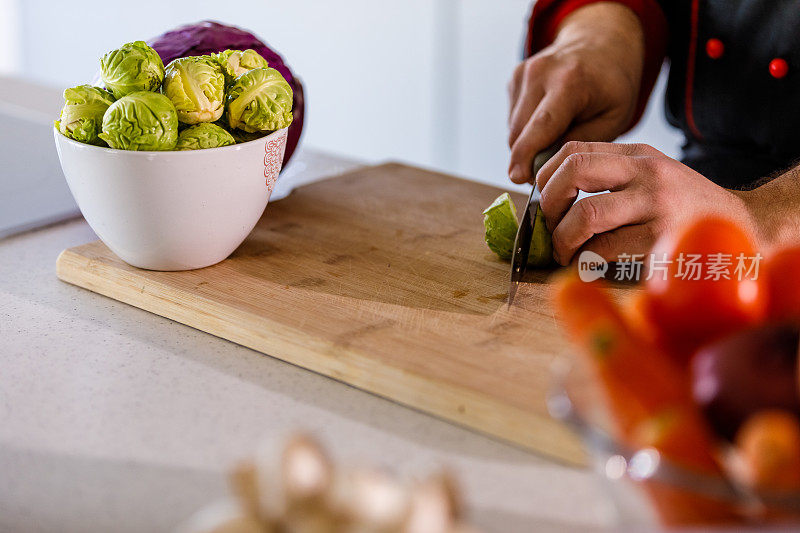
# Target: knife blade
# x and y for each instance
(522, 242)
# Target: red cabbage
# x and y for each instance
(210, 37)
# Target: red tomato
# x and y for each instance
(690, 309)
(783, 284)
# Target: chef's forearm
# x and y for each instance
(775, 209)
(604, 23)
(607, 18)
(641, 22)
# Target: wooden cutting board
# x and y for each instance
(379, 278)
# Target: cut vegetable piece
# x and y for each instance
(541, 254)
(500, 221)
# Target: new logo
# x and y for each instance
(591, 266)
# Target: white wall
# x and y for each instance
(419, 80)
(10, 41)
(490, 44)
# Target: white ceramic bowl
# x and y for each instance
(172, 210)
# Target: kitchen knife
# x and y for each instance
(522, 242)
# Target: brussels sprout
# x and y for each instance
(196, 86)
(259, 100)
(500, 223)
(236, 62)
(130, 68)
(205, 135)
(82, 115)
(240, 136)
(141, 121)
(244, 137)
(541, 252)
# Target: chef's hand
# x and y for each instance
(650, 194)
(583, 86)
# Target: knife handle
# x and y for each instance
(544, 156)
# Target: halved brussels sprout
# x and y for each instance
(141, 121)
(541, 252)
(259, 100)
(82, 115)
(234, 63)
(196, 86)
(500, 223)
(130, 68)
(205, 135)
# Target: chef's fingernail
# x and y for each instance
(516, 174)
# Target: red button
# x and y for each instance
(715, 48)
(778, 68)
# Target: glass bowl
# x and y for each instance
(647, 489)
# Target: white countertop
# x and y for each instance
(114, 419)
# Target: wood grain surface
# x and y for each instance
(379, 278)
